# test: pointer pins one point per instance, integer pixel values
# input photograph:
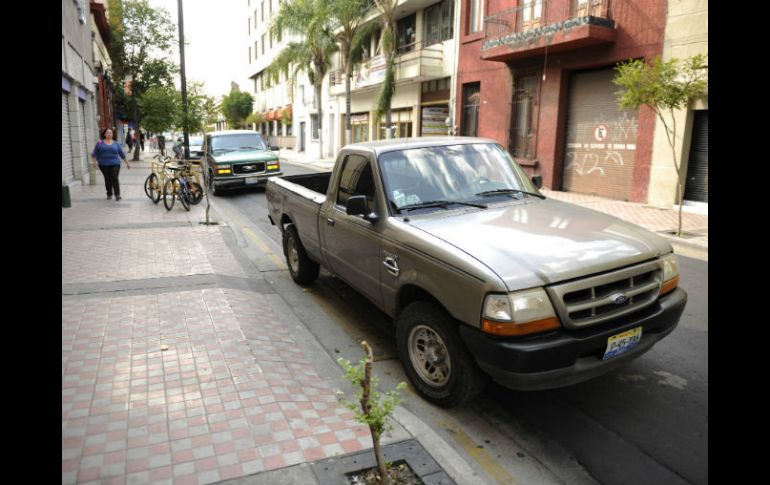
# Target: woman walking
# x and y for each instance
(108, 153)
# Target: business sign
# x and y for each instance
(433, 120)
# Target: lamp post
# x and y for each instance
(184, 82)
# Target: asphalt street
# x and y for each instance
(646, 423)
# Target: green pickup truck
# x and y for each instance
(238, 158)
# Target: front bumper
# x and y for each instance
(565, 357)
(240, 180)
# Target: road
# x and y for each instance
(646, 423)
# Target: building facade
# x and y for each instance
(537, 77)
(79, 93)
(686, 36)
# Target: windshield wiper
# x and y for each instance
(508, 191)
(251, 148)
(439, 203)
(223, 150)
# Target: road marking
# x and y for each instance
(264, 247)
(482, 457)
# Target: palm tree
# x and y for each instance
(348, 16)
(387, 10)
(309, 20)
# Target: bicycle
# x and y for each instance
(179, 186)
(153, 185)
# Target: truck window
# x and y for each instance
(356, 179)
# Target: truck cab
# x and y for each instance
(238, 158)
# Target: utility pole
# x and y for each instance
(184, 81)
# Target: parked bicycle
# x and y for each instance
(178, 186)
(153, 185)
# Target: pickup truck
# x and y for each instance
(482, 274)
(238, 158)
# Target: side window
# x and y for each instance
(356, 179)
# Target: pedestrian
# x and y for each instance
(141, 139)
(129, 139)
(107, 154)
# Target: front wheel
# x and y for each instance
(170, 192)
(302, 269)
(434, 358)
(184, 195)
(210, 184)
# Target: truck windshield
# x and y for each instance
(472, 173)
(237, 142)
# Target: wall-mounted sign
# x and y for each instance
(433, 120)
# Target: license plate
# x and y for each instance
(252, 180)
(622, 342)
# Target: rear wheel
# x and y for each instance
(196, 192)
(302, 269)
(433, 356)
(152, 188)
(169, 193)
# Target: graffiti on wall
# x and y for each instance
(597, 145)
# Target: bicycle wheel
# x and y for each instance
(152, 188)
(184, 194)
(169, 193)
(196, 192)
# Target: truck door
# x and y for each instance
(351, 244)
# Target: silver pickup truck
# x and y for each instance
(482, 274)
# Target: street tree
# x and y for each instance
(160, 107)
(142, 38)
(199, 109)
(664, 87)
(348, 17)
(236, 107)
(309, 20)
(387, 9)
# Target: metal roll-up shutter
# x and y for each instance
(697, 182)
(67, 168)
(601, 140)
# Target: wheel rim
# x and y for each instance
(293, 255)
(429, 356)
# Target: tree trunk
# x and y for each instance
(366, 408)
(348, 123)
(136, 152)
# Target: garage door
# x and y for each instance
(697, 182)
(601, 140)
(67, 168)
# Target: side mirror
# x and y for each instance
(275, 148)
(537, 180)
(359, 206)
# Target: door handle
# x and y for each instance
(329, 221)
(391, 265)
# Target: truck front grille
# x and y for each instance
(249, 167)
(596, 299)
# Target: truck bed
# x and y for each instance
(317, 182)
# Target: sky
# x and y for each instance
(216, 49)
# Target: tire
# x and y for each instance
(196, 191)
(169, 194)
(184, 195)
(212, 188)
(302, 269)
(434, 357)
(151, 186)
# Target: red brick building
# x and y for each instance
(537, 77)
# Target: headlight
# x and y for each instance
(518, 313)
(670, 273)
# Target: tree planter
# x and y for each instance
(345, 469)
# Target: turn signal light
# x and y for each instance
(507, 329)
(669, 285)
(223, 170)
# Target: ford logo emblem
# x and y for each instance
(619, 299)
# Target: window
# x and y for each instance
(356, 179)
(256, 49)
(314, 127)
(438, 22)
(256, 85)
(263, 11)
(359, 127)
(401, 120)
(279, 36)
(255, 18)
(288, 130)
(406, 32)
(524, 115)
(475, 16)
(470, 113)
(530, 15)
(263, 44)
(249, 26)
(249, 54)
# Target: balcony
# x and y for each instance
(414, 62)
(561, 25)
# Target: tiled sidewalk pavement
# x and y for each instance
(232, 395)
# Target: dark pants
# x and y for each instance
(111, 182)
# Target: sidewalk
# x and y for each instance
(658, 220)
(235, 392)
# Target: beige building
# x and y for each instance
(686, 35)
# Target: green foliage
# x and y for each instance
(255, 118)
(668, 85)
(201, 109)
(236, 106)
(160, 107)
(381, 406)
(387, 9)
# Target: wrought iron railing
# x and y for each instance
(538, 14)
